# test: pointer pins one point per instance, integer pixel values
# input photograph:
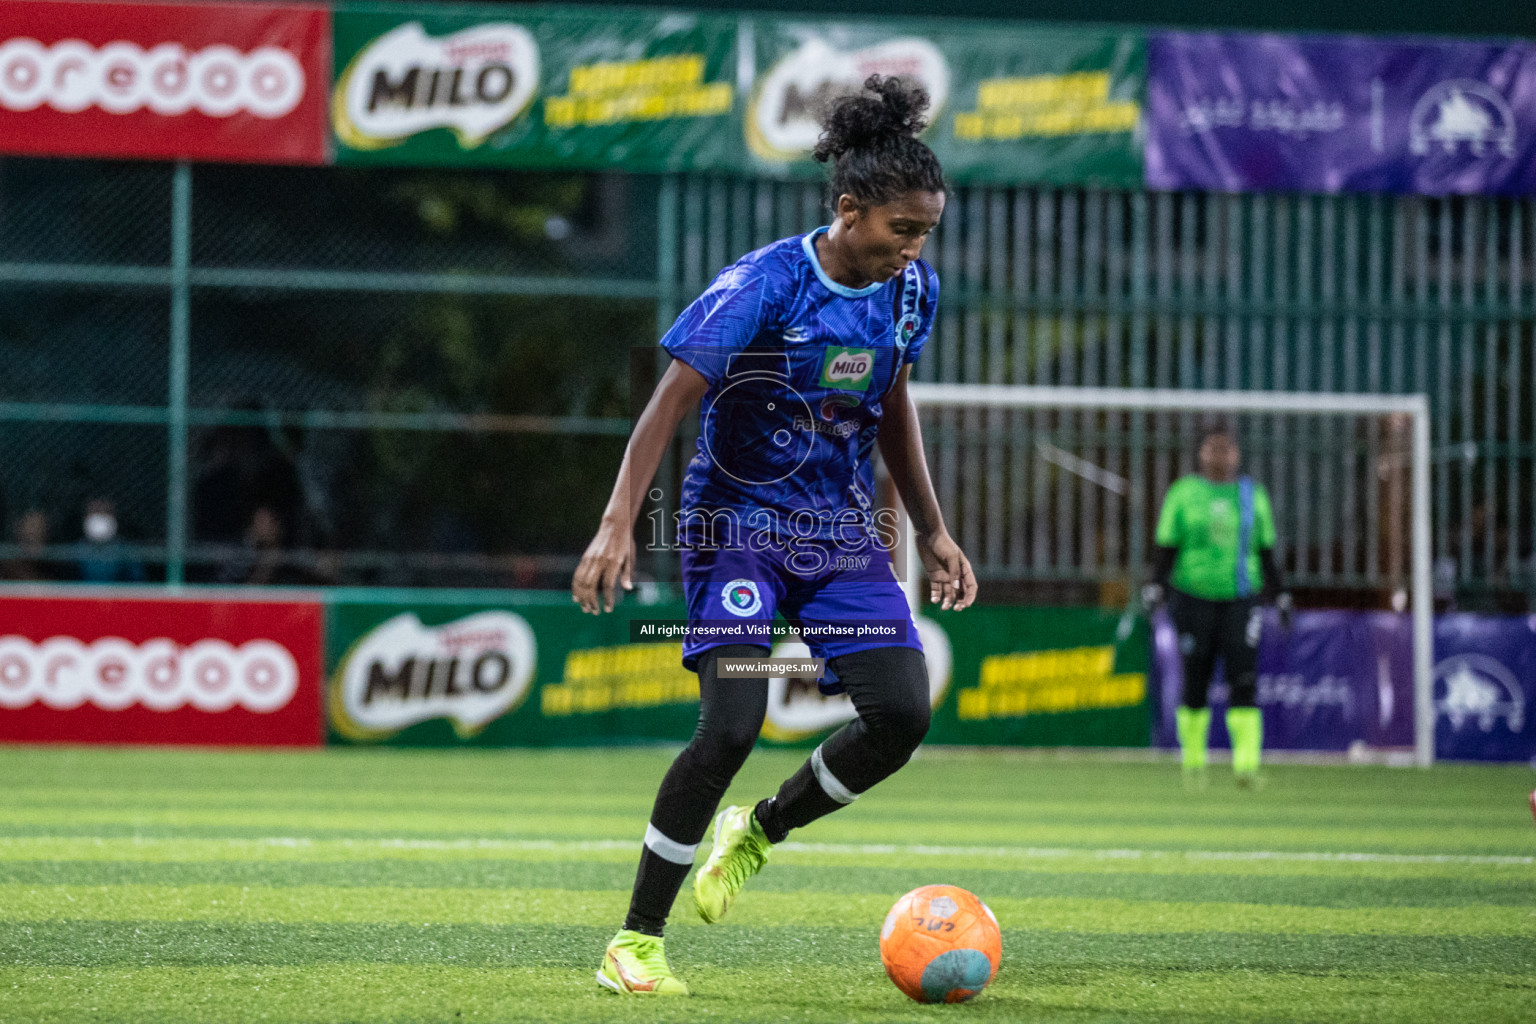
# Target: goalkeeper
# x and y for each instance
(1215, 565)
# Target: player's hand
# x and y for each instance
(609, 563)
(1287, 609)
(951, 583)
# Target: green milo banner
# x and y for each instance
(1044, 677)
(533, 87)
(543, 87)
(1008, 104)
(547, 675)
(503, 675)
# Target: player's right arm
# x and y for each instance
(610, 559)
(715, 326)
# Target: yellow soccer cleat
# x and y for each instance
(636, 964)
(740, 851)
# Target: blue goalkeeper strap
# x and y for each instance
(1244, 533)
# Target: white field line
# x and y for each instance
(844, 849)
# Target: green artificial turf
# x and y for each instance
(386, 885)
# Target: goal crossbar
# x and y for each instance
(1415, 407)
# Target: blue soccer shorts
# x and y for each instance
(842, 598)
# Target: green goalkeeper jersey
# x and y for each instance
(1205, 521)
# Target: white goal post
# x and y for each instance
(1128, 400)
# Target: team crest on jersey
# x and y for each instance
(741, 598)
(907, 312)
(848, 369)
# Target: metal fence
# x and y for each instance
(420, 374)
(431, 373)
(1288, 293)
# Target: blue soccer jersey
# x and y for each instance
(798, 366)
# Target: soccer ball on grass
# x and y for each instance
(940, 944)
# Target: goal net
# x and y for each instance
(1054, 492)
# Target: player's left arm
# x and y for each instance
(951, 583)
(1273, 591)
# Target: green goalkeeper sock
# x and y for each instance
(1194, 728)
(1246, 726)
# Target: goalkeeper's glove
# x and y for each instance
(1287, 609)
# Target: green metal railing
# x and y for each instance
(182, 283)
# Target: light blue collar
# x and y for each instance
(808, 243)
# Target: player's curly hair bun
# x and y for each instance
(862, 121)
(870, 138)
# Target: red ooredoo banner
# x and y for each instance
(120, 670)
(228, 81)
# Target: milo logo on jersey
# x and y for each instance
(848, 369)
(784, 116)
(402, 672)
(406, 82)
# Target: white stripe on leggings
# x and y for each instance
(668, 849)
(834, 789)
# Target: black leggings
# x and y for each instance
(1212, 629)
(888, 687)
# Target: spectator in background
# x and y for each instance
(30, 534)
(240, 470)
(102, 558)
(263, 561)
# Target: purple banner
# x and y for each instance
(1341, 678)
(1485, 680)
(1255, 113)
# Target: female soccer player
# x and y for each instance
(799, 353)
(1215, 555)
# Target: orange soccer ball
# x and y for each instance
(940, 944)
